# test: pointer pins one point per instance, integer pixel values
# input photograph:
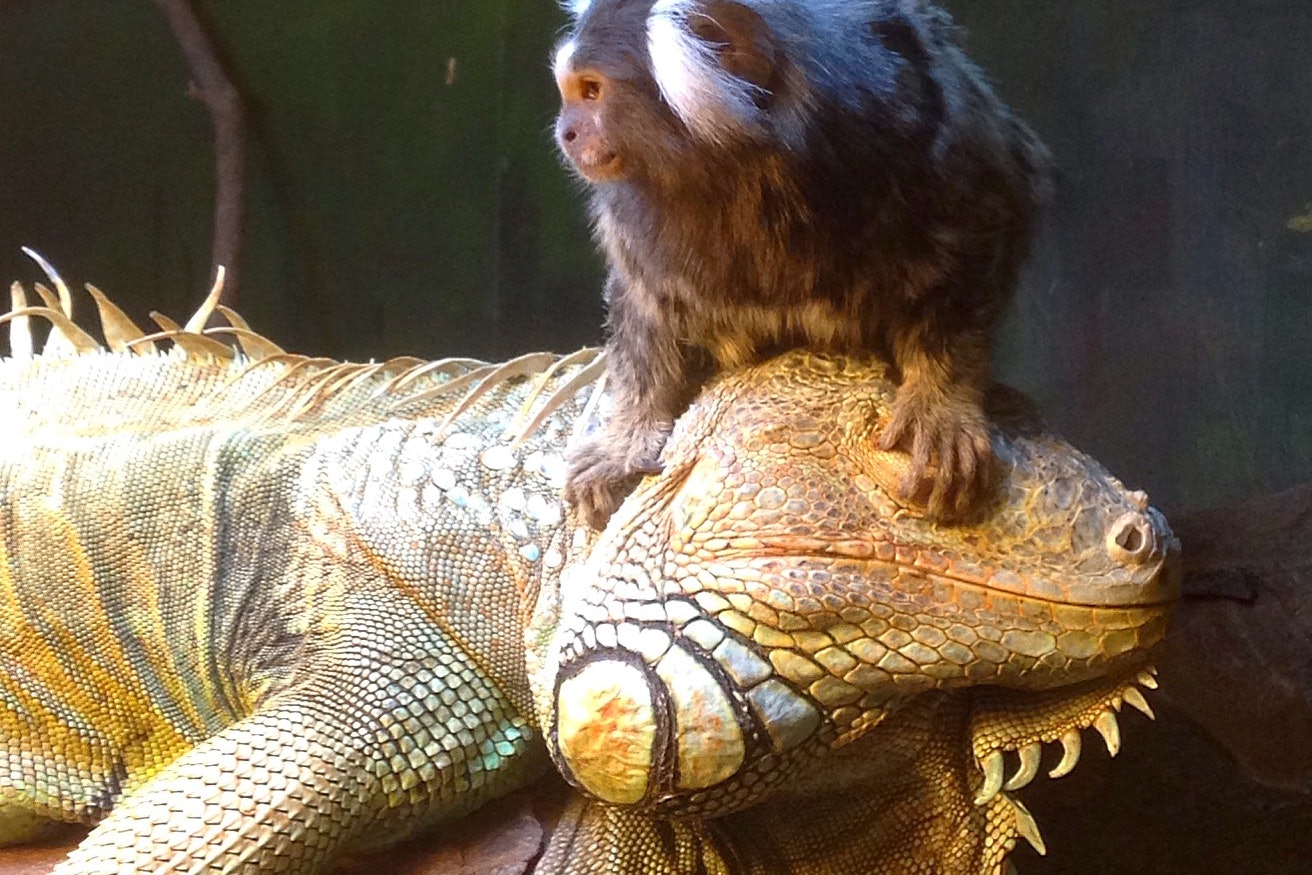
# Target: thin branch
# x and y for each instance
(212, 85)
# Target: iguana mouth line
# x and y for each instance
(929, 566)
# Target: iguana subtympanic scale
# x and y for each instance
(255, 609)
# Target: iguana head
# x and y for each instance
(769, 598)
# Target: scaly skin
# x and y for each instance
(255, 614)
(766, 621)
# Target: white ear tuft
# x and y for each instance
(560, 63)
(576, 8)
(715, 105)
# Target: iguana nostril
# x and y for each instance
(1130, 539)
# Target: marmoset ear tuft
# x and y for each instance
(716, 63)
(575, 8)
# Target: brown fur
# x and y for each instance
(873, 195)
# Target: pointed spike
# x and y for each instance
(562, 393)
(255, 346)
(189, 343)
(148, 341)
(993, 766)
(197, 345)
(1110, 731)
(1070, 754)
(20, 329)
(298, 371)
(196, 324)
(480, 382)
(65, 299)
(291, 365)
(450, 387)
(68, 336)
(118, 329)
(1030, 755)
(1135, 700)
(49, 298)
(325, 385)
(234, 318)
(471, 397)
(453, 368)
(1027, 827)
(1147, 678)
(395, 367)
(56, 343)
(164, 322)
(364, 374)
(583, 355)
(590, 406)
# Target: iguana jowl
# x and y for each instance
(255, 610)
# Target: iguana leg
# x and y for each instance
(925, 831)
(834, 834)
(593, 838)
(272, 793)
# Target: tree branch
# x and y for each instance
(212, 85)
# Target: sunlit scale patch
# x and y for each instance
(607, 726)
(710, 742)
(606, 729)
(788, 718)
(828, 628)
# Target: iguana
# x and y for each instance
(258, 608)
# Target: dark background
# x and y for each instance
(1165, 324)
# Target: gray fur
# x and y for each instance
(831, 174)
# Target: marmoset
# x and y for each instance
(766, 174)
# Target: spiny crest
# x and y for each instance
(120, 332)
(307, 386)
(1002, 731)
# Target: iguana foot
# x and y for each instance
(605, 467)
(948, 439)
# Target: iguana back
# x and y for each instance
(254, 610)
(209, 562)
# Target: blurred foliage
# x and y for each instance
(406, 198)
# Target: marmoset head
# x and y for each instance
(643, 84)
